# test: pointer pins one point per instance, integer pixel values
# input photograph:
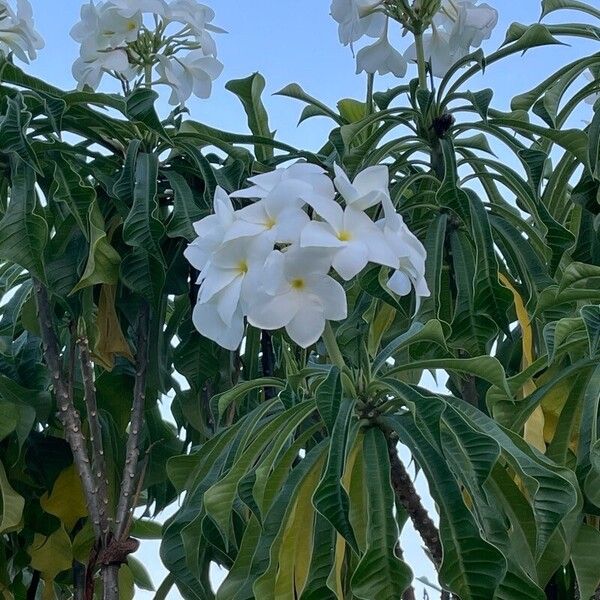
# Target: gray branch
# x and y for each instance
(98, 460)
(132, 453)
(68, 414)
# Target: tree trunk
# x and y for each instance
(110, 582)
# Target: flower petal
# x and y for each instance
(308, 325)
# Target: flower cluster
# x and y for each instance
(271, 263)
(457, 28)
(17, 31)
(178, 46)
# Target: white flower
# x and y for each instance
(299, 295)
(368, 189)
(411, 255)
(279, 215)
(229, 282)
(128, 8)
(357, 18)
(193, 73)
(196, 16)
(352, 237)
(211, 231)
(381, 57)
(17, 31)
(207, 320)
(89, 68)
(438, 52)
(104, 27)
(467, 23)
(593, 98)
(311, 181)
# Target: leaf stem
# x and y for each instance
(333, 350)
(421, 62)
(369, 101)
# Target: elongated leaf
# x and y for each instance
(103, 260)
(591, 319)
(249, 92)
(586, 560)
(11, 504)
(380, 573)
(329, 398)
(330, 498)
(185, 210)
(23, 232)
(142, 228)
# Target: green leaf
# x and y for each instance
(432, 331)
(185, 210)
(472, 568)
(11, 504)
(13, 129)
(103, 260)
(142, 227)
(224, 400)
(69, 187)
(329, 398)
(249, 92)
(140, 108)
(549, 6)
(144, 529)
(380, 573)
(141, 577)
(586, 560)
(9, 416)
(591, 319)
(330, 498)
(219, 499)
(487, 368)
(23, 232)
(143, 274)
(293, 90)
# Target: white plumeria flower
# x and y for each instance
(467, 23)
(306, 174)
(211, 231)
(357, 18)
(193, 73)
(299, 295)
(368, 189)
(381, 57)
(352, 237)
(128, 8)
(17, 31)
(592, 99)
(411, 255)
(438, 52)
(196, 16)
(208, 321)
(104, 27)
(232, 275)
(279, 215)
(89, 68)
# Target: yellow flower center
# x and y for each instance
(242, 267)
(270, 223)
(298, 284)
(344, 236)
(131, 25)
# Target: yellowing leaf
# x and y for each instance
(296, 545)
(11, 504)
(534, 427)
(50, 556)
(66, 501)
(110, 340)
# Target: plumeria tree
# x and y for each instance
(289, 304)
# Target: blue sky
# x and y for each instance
(296, 41)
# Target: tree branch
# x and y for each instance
(132, 453)
(411, 501)
(98, 462)
(68, 414)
